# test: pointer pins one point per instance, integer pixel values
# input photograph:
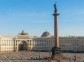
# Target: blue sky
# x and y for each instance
(35, 17)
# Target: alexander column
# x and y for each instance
(56, 49)
(56, 26)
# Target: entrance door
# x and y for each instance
(22, 46)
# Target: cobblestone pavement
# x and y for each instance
(26, 56)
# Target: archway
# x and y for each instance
(22, 46)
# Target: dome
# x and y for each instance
(23, 33)
(46, 34)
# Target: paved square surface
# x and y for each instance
(26, 56)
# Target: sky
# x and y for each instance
(35, 17)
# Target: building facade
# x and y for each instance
(24, 42)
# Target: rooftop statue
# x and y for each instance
(23, 33)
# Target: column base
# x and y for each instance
(56, 53)
(57, 56)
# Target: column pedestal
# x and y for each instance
(57, 56)
(56, 53)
